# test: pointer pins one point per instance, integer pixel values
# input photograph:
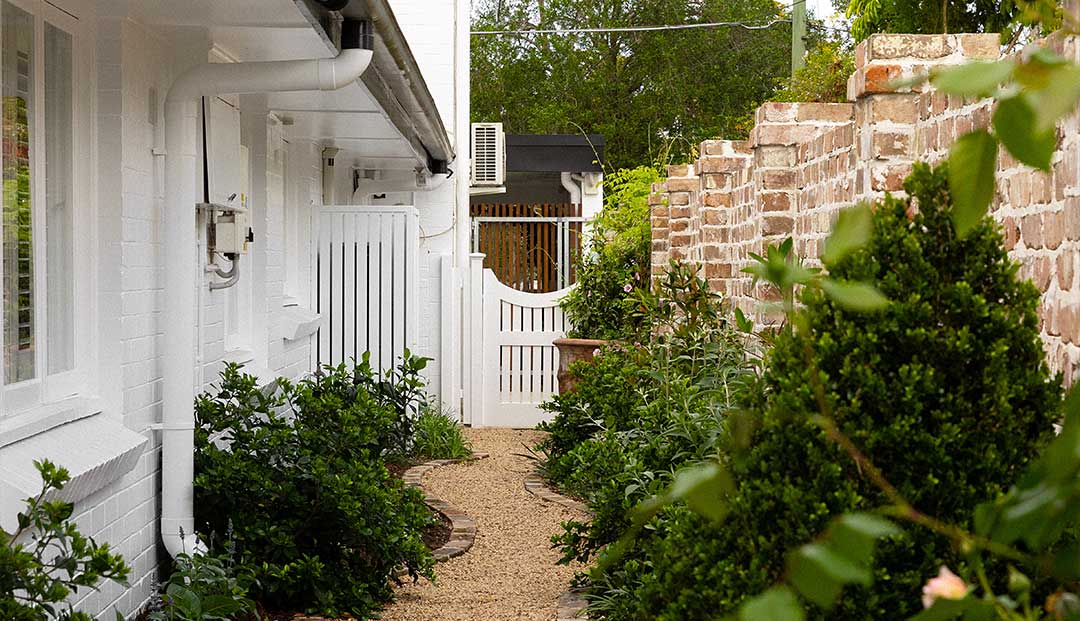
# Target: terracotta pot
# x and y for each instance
(570, 351)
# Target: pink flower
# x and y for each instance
(628, 288)
(637, 276)
(946, 585)
(596, 352)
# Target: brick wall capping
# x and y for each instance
(725, 147)
(965, 46)
(798, 112)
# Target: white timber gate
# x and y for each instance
(366, 284)
(511, 365)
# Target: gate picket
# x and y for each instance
(366, 283)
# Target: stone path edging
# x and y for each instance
(462, 527)
(572, 603)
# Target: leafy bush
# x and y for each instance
(38, 575)
(204, 587)
(640, 412)
(824, 78)
(947, 388)
(300, 476)
(438, 436)
(602, 306)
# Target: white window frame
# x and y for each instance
(45, 391)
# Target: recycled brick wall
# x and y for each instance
(804, 162)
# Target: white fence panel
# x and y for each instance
(366, 284)
(514, 365)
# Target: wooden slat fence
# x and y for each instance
(530, 248)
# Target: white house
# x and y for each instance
(129, 276)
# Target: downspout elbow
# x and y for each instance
(572, 186)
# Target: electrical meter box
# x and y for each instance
(232, 230)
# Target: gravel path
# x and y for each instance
(510, 573)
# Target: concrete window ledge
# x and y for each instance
(96, 449)
(296, 322)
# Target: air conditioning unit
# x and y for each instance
(488, 155)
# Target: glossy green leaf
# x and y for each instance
(1015, 127)
(945, 609)
(703, 489)
(853, 229)
(1058, 98)
(974, 79)
(855, 535)
(743, 322)
(820, 572)
(972, 163)
(855, 296)
(777, 604)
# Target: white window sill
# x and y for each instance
(239, 356)
(95, 449)
(296, 322)
(266, 379)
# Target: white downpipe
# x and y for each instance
(572, 186)
(181, 195)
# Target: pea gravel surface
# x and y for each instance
(510, 573)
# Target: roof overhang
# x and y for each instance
(385, 121)
(394, 79)
(555, 153)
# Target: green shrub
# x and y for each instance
(824, 78)
(641, 411)
(438, 436)
(602, 304)
(47, 559)
(301, 479)
(947, 389)
(205, 587)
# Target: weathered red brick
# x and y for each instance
(1065, 270)
(895, 108)
(1031, 231)
(775, 201)
(881, 78)
(717, 199)
(776, 111)
(683, 184)
(888, 143)
(1053, 225)
(828, 112)
(777, 225)
(893, 46)
(778, 179)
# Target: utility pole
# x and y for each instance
(798, 35)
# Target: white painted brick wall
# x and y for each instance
(124, 514)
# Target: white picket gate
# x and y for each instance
(511, 364)
(366, 275)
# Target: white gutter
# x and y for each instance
(182, 177)
(422, 183)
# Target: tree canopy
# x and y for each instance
(648, 93)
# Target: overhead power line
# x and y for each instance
(568, 31)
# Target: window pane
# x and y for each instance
(59, 218)
(18, 254)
